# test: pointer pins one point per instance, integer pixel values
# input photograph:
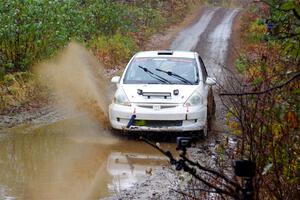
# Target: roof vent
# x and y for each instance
(165, 53)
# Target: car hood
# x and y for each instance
(154, 93)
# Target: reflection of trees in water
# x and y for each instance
(23, 157)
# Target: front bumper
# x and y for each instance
(193, 118)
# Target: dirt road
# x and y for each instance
(210, 37)
(75, 158)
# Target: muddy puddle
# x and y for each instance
(75, 158)
(72, 159)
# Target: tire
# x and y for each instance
(211, 109)
(116, 132)
(204, 132)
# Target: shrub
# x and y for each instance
(264, 105)
(17, 89)
(114, 50)
(105, 17)
(33, 30)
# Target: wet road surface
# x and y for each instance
(71, 159)
(76, 158)
(209, 37)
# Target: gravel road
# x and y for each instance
(210, 36)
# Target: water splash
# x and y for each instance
(77, 80)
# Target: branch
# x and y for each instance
(166, 153)
(197, 189)
(180, 164)
(283, 10)
(218, 190)
(296, 76)
(184, 194)
(210, 171)
(204, 190)
(296, 13)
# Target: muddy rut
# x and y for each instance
(210, 37)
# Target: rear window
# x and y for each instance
(162, 70)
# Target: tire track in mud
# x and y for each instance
(210, 37)
(213, 46)
(216, 42)
(189, 37)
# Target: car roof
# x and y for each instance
(166, 53)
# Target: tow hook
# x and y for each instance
(131, 121)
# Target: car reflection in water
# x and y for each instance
(72, 159)
(130, 168)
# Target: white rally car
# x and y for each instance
(163, 91)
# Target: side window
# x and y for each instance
(203, 69)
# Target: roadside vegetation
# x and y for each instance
(32, 31)
(265, 105)
(262, 99)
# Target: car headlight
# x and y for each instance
(194, 100)
(121, 98)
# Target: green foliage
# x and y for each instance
(147, 19)
(170, 9)
(260, 22)
(288, 5)
(32, 30)
(106, 17)
(285, 15)
(257, 32)
(241, 63)
(114, 50)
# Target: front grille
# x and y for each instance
(146, 106)
(162, 106)
(158, 123)
(167, 106)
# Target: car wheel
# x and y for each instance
(211, 109)
(115, 131)
(204, 131)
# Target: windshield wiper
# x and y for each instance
(176, 76)
(155, 76)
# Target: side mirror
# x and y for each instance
(115, 79)
(210, 81)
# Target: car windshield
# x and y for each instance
(154, 70)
